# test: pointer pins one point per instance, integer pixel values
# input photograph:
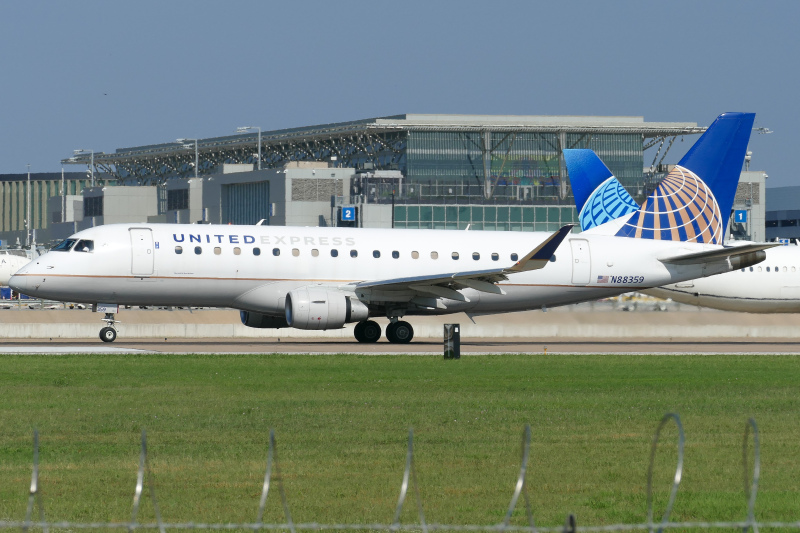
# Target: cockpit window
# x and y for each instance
(84, 245)
(65, 245)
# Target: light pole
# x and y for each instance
(196, 152)
(81, 151)
(28, 210)
(243, 129)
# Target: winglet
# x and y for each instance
(539, 256)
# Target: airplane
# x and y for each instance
(773, 287)
(323, 278)
(10, 262)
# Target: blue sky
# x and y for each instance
(106, 75)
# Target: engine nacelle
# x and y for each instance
(310, 308)
(257, 320)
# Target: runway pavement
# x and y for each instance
(601, 328)
(424, 347)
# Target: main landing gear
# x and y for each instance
(367, 331)
(398, 331)
(108, 333)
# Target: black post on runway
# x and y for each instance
(452, 341)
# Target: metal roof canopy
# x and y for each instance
(161, 161)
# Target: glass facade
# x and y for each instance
(530, 161)
(484, 217)
(245, 203)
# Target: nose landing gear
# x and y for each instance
(108, 333)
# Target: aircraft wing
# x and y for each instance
(447, 285)
(720, 253)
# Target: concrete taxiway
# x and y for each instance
(423, 347)
(605, 327)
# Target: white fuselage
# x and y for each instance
(9, 265)
(772, 286)
(237, 266)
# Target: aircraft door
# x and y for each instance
(581, 261)
(141, 251)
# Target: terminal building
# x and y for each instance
(783, 217)
(403, 171)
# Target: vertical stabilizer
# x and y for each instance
(599, 196)
(693, 203)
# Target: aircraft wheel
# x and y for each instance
(370, 331)
(358, 332)
(400, 332)
(390, 332)
(108, 334)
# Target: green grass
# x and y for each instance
(341, 424)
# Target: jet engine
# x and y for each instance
(257, 320)
(309, 308)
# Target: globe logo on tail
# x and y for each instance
(682, 208)
(609, 201)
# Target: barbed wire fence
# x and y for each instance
(272, 476)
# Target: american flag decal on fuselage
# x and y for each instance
(602, 279)
(682, 208)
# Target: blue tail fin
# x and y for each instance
(693, 203)
(599, 196)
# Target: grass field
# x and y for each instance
(341, 424)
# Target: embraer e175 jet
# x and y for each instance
(324, 278)
(773, 287)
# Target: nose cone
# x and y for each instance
(18, 283)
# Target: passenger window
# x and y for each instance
(767, 269)
(396, 254)
(514, 257)
(495, 257)
(793, 269)
(64, 245)
(256, 251)
(376, 254)
(276, 252)
(434, 255)
(198, 250)
(179, 250)
(476, 256)
(414, 255)
(759, 269)
(751, 269)
(217, 250)
(295, 252)
(353, 253)
(237, 251)
(314, 252)
(84, 246)
(784, 269)
(454, 255)
(334, 252)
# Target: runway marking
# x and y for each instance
(66, 350)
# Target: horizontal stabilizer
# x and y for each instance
(720, 253)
